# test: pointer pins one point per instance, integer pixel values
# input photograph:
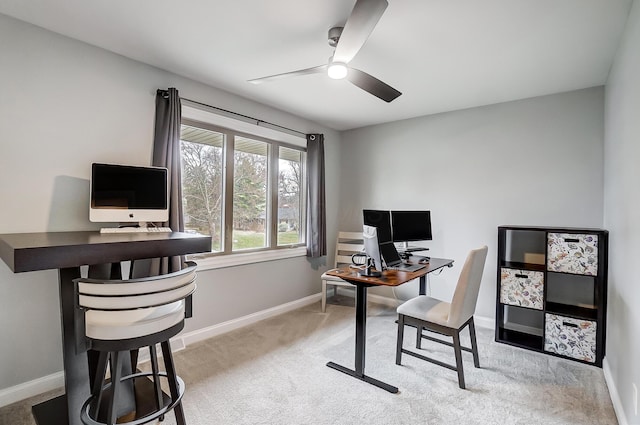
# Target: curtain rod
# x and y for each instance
(246, 117)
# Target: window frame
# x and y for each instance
(272, 251)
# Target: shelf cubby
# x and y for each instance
(520, 339)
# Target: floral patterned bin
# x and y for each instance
(523, 288)
(570, 337)
(572, 253)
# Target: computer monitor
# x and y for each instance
(411, 226)
(380, 220)
(371, 245)
(126, 194)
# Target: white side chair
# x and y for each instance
(121, 316)
(347, 244)
(430, 314)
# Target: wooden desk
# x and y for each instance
(388, 278)
(67, 251)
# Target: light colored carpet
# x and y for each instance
(274, 372)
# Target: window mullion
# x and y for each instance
(228, 191)
(273, 195)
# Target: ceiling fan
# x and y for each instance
(347, 41)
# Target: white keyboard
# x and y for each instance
(136, 230)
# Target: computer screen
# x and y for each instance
(123, 193)
(380, 220)
(408, 226)
(389, 253)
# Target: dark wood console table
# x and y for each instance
(67, 251)
(388, 278)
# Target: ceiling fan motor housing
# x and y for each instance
(334, 35)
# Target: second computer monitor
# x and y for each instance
(411, 226)
(380, 220)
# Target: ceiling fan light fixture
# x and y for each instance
(337, 70)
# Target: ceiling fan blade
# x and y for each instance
(372, 85)
(315, 70)
(363, 19)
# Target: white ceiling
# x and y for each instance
(441, 54)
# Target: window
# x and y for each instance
(244, 190)
(290, 212)
(250, 187)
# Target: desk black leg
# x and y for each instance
(66, 408)
(423, 285)
(78, 365)
(76, 372)
(361, 326)
(361, 329)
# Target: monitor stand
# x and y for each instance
(407, 250)
(368, 271)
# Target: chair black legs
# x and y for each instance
(458, 354)
(116, 377)
(474, 343)
(117, 392)
(443, 330)
(173, 382)
(98, 380)
(156, 377)
(400, 338)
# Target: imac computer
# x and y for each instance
(411, 226)
(372, 249)
(381, 220)
(128, 194)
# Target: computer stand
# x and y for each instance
(406, 251)
(409, 249)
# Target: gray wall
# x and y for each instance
(64, 105)
(621, 214)
(530, 162)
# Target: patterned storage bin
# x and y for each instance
(572, 253)
(570, 337)
(523, 288)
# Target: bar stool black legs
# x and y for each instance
(105, 404)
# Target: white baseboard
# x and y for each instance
(377, 299)
(613, 393)
(386, 301)
(29, 389)
(47, 383)
(230, 325)
(484, 322)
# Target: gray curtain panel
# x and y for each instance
(166, 153)
(316, 211)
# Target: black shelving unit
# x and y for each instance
(552, 290)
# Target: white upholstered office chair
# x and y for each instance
(347, 244)
(125, 315)
(426, 313)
